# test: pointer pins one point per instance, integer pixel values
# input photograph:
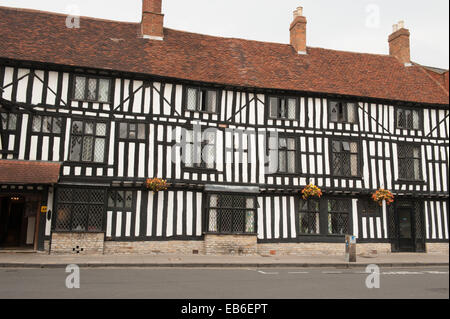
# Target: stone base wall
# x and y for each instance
(319, 249)
(154, 247)
(77, 243)
(437, 248)
(85, 244)
(230, 245)
(47, 245)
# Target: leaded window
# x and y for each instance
(231, 214)
(339, 216)
(284, 150)
(46, 124)
(120, 199)
(283, 108)
(342, 112)
(91, 89)
(201, 100)
(88, 141)
(409, 162)
(8, 121)
(408, 119)
(308, 217)
(201, 151)
(132, 131)
(80, 210)
(345, 158)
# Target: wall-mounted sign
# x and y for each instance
(43, 209)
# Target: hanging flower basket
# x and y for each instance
(383, 194)
(311, 190)
(156, 184)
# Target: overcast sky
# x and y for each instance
(351, 25)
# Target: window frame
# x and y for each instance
(72, 203)
(41, 131)
(309, 211)
(86, 88)
(402, 159)
(94, 135)
(124, 207)
(218, 209)
(198, 105)
(129, 130)
(349, 214)
(5, 133)
(285, 99)
(202, 166)
(411, 109)
(297, 158)
(359, 154)
(8, 121)
(345, 121)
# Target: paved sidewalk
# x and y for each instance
(43, 260)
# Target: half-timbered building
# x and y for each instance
(90, 109)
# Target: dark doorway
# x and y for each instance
(407, 225)
(13, 224)
(406, 237)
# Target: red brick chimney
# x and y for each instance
(298, 31)
(399, 44)
(152, 20)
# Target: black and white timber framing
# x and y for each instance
(30, 89)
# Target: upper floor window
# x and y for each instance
(409, 159)
(8, 121)
(283, 108)
(231, 214)
(88, 141)
(345, 158)
(342, 112)
(285, 150)
(132, 131)
(408, 119)
(8, 125)
(339, 216)
(46, 124)
(91, 89)
(200, 153)
(309, 216)
(201, 100)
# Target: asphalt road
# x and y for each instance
(183, 283)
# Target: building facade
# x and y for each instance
(91, 109)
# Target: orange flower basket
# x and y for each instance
(157, 184)
(383, 194)
(311, 190)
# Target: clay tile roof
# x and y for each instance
(43, 37)
(28, 172)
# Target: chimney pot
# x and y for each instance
(298, 12)
(401, 24)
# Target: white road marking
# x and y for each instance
(268, 273)
(331, 272)
(299, 272)
(437, 272)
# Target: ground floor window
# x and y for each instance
(339, 216)
(309, 215)
(80, 210)
(231, 214)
